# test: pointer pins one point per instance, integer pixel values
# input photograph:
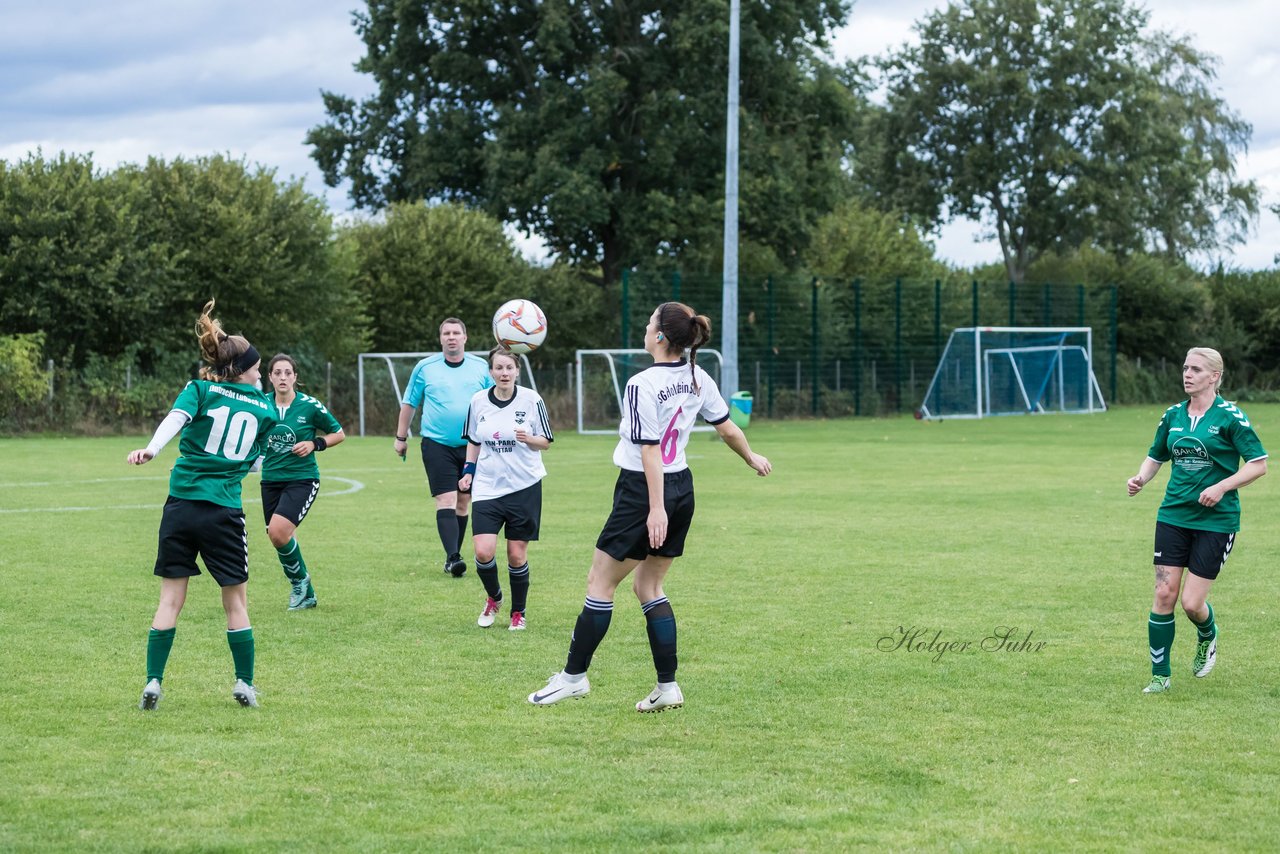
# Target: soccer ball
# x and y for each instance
(520, 326)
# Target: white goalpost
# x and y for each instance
(602, 378)
(1014, 370)
(400, 365)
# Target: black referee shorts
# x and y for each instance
(443, 464)
(288, 498)
(626, 533)
(215, 533)
(519, 511)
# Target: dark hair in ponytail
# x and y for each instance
(684, 329)
(228, 356)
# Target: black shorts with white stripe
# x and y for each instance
(216, 533)
(1204, 553)
(291, 499)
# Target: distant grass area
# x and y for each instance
(390, 722)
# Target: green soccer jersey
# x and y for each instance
(221, 442)
(1205, 449)
(298, 422)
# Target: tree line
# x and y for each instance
(1060, 125)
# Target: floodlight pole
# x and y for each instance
(729, 321)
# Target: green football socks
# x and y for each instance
(241, 643)
(1207, 630)
(295, 568)
(159, 642)
(1160, 629)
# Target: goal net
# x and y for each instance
(602, 378)
(1006, 370)
(382, 377)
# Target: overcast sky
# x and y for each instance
(133, 78)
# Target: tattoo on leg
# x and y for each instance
(1162, 575)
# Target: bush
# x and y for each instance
(22, 381)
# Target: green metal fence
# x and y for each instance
(818, 347)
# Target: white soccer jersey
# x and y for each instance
(659, 408)
(505, 465)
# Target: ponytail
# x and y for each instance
(684, 329)
(227, 356)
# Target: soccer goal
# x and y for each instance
(386, 389)
(1011, 370)
(602, 378)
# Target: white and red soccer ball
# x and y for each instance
(520, 326)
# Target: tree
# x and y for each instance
(264, 249)
(856, 241)
(597, 125)
(1059, 123)
(72, 265)
(417, 265)
(118, 264)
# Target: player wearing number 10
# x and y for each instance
(652, 501)
(226, 419)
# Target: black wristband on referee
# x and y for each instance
(402, 438)
(320, 444)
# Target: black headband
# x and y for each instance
(239, 364)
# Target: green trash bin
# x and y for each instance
(740, 408)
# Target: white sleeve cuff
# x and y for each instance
(169, 427)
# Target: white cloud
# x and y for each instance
(130, 80)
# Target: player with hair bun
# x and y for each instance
(290, 475)
(1205, 437)
(224, 418)
(652, 501)
(507, 430)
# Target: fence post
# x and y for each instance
(625, 332)
(814, 344)
(975, 304)
(857, 346)
(328, 383)
(937, 320)
(897, 344)
(772, 351)
(49, 368)
(1115, 311)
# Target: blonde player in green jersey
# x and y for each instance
(224, 418)
(1205, 437)
(290, 476)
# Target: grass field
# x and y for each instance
(390, 722)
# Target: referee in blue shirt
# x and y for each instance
(443, 384)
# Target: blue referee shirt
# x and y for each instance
(444, 389)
